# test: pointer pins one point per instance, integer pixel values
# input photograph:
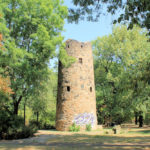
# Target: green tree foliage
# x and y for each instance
(43, 101)
(31, 33)
(64, 58)
(122, 80)
(133, 11)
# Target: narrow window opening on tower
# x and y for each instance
(90, 89)
(68, 46)
(81, 46)
(68, 88)
(80, 60)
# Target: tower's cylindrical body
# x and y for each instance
(76, 102)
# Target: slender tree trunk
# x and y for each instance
(24, 113)
(140, 120)
(16, 101)
(16, 106)
(136, 118)
(37, 119)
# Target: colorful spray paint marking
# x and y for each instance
(85, 118)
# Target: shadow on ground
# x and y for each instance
(54, 140)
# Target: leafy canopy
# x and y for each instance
(31, 33)
(121, 77)
(132, 11)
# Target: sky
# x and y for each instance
(87, 31)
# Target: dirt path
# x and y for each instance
(54, 140)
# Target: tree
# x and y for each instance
(31, 33)
(43, 102)
(133, 11)
(121, 59)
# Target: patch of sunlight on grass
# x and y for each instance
(87, 147)
(140, 132)
(22, 147)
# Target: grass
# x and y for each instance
(145, 132)
(104, 139)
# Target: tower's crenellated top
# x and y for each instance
(74, 43)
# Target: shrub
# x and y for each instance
(47, 126)
(12, 127)
(88, 127)
(74, 128)
(34, 124)
(18, 133)
(42, 125)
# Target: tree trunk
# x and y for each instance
(24, 113)
(16, 106)
(141, 121)
(136, 118)
(37, 119)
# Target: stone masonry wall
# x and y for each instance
(76, 100)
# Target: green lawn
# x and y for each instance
(126, 139)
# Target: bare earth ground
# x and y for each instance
(131, 138)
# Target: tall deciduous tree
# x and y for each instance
(44, 99)
(122, 80)
(31, 33)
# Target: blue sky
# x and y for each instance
(87, 31)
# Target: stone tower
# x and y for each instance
(76, 102)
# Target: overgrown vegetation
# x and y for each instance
(64, 58)
(74, 128)
(12, 127)
(88, 127)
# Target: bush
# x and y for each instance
(88, 127)
(12, 127)
(34, 124)
(18, 133)
(47, 126)
(74, 128)
(42, 125)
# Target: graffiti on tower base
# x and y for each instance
(84, 118)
